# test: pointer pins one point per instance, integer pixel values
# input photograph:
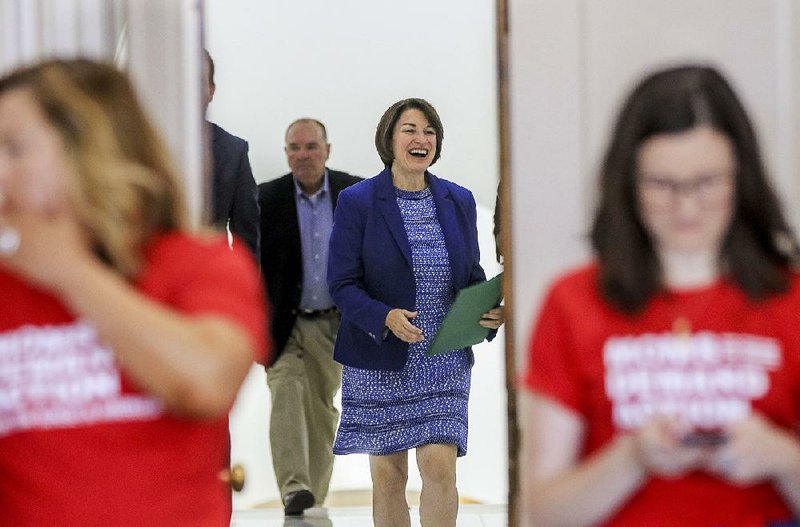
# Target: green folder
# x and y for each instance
(460, 326)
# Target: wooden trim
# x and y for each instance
(505, 239)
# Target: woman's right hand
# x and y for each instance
(52, 246)
(661, 452)
(757, 450)
(397, 322)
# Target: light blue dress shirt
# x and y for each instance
(315, 215)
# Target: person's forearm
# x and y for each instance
(194, 365)
(588, 493)
(788, 482)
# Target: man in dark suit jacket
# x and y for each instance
(234, 195)
(296, 221)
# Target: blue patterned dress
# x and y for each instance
(426, 402)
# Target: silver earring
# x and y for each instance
(9, 241)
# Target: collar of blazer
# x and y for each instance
(446, 210)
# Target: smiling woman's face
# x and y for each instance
(413, 143)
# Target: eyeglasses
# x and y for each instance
(664, 192)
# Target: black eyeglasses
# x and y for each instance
(664, 192)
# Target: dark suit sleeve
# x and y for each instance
(245, 212)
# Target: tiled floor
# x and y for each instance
(468, 516)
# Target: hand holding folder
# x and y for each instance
(460, 326)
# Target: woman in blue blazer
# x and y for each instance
(403, 244)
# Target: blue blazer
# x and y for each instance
(370, 270)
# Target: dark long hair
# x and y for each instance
(759, 245)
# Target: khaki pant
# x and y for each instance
(303, 423)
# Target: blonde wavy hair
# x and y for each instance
(125, 191)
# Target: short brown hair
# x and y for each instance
(384, 134)
(125, 190)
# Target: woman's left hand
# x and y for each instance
(756, 450)
(494, 318)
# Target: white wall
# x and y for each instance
(344, 63)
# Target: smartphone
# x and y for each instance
(704, 438)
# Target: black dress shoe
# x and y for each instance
(296, 502)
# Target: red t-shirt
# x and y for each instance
(615, 370)
(80, 445)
